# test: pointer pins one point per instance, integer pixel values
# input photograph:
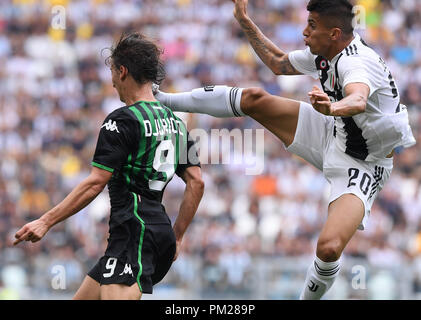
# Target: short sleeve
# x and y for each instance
(188, 156)
(116, 138)
(303, 61)
(353, 70)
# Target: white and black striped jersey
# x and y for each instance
(384, 125)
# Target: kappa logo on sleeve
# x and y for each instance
(110, 126)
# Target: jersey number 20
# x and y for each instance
(365, 180)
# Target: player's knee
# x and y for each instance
(251, 99)
(329, 250)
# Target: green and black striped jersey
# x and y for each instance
(143, 145)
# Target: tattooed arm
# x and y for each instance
(269, 53)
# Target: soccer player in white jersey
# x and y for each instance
(349, 131)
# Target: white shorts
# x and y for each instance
(315, 143)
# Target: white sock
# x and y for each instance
(320, 277)
(217, 101)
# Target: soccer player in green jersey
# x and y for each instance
(140, 147)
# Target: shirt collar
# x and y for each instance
(356, 39)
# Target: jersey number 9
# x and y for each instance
(163, 162)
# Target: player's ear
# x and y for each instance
(123, 72)
(335, 34)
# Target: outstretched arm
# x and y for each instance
(79, 198)
(192, 176)
(276, 59)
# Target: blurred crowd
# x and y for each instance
(55, 91)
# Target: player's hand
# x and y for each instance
(320, 101)
(240, 9)
(32, 231)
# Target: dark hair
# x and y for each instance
(140, 56)
(339, 13)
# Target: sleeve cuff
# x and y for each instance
(365, 81)
(298, 67)
(102, 167)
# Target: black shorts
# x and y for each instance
(136, 252)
